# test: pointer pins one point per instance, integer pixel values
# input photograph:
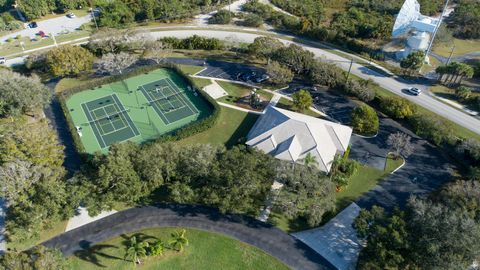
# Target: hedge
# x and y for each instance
(186, 131)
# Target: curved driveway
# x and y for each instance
(273, 241)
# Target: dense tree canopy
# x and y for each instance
(32, 178)
(37, 258)
(69, 60)
(428, 235)
(20, 94)
(234, 180)
(306, 193)
(465, 20)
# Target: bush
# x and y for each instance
(397, 107)
(221, 17)
(326, 74)
(194, 43)
(431, 128)
(463, 93)
(69, 60)
(252, 20)
(279, 74)
(365, 120)
(360, 89)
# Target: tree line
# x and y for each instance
(235, 180)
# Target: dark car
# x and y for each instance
(33, 25)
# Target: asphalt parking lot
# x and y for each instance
(219, 69)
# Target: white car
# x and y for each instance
(3, 60)
(414, 91)
(71, 15)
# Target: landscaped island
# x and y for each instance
(205, 250)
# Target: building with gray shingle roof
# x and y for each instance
(291, 136)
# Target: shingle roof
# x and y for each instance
(290, 136)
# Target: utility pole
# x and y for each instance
(93, 15)
(451, 53)
(436, 30)
(349, 69)
(54, 40)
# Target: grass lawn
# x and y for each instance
(462, 47)
(67, 83)
(205, 251)
(232, 125)
(393, 163)
(236, 91)
(287, 104)
(190, 70)
(201, 83)
(45, 234)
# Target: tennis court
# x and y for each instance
(169, 102)
(109, 120)
(137, 109)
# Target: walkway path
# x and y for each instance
(273, 241)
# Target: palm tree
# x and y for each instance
(136, 250)
(309, 160)
(179, 241)
(157, 248)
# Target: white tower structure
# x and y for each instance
(416, 28)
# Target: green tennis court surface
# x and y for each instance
(109, 120)
(170, 103)
(137, 109)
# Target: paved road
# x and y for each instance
(273, 241)
(392, 83)
(57, 120)
(54, 26)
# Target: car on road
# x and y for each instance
(71, 15)
(2, 60)
(33, 25)
(42, 34)
(414, 91)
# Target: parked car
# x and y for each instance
(42, 34)
(33, 25)
(414, 91)
(2, 60)
(71, 15)
(262, 78)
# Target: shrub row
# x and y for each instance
(194, 43)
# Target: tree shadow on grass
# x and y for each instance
(92, 254)
(139, 236)
(241, 132)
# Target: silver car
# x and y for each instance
(3, 60)
(414, 91)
